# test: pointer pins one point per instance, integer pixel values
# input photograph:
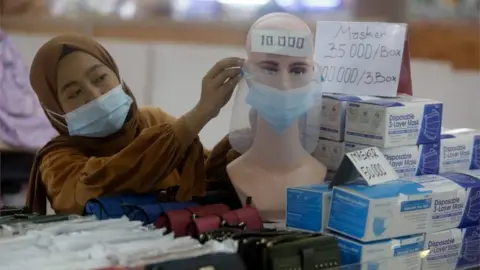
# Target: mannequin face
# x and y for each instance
(280, 71)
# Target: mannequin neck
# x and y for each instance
(272, 149)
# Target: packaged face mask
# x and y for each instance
(308, 207)
(410, 160)
(333, 115)
(419, 204)
(460, 150)
(453, 249)
(454, 200)
(393, 122)
(398, 253)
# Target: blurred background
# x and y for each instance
(164, 48)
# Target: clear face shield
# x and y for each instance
(280, 93)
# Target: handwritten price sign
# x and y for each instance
(359, 58)
(372, 165)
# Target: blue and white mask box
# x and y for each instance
(410, 160)
(393, 122)
(308, 207)
(332, 126)
(460, 150)
(454, 200)
(397, 253)
(371, 213)
(453, 249)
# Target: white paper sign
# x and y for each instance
(372, 165)
(290, 43)
(360, 58)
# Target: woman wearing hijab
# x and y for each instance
(107, 145)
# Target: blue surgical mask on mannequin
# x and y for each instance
(100, 117)
(279, 108)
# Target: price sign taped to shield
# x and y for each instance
(289, 43)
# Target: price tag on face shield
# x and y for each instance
(289, 43)
(372, 165)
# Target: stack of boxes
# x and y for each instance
(422, 210)
(331, 146)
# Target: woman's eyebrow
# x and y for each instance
(93, 68)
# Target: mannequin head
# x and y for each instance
(280, 74)
(279, 101)
(280, 66)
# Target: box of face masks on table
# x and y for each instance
(397, 208)
(383, 255)
(333, 115)
(453, 249)
(308, 207)
(410, 160)
(393, 122)
(454, 200)
(460, 150)
(371, 213)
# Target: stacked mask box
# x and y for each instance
(332, 129)
(420, 204)
(401, 253)
(407, 161)
(459, 150)
(457, 248)
(394, 122)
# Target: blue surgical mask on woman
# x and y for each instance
(100, 117)
(280, 108)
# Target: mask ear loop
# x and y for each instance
(54, 115)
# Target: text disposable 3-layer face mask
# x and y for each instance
(393, 122)
(421, 204)
(460, 150)
(455, 197)
(410, 160)
(453, 249)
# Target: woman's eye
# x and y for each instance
(100, 79)
(75, 94)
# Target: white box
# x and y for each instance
(308, 207)
(398, 253)
(332, 126)
(455, 199)
(453, 249)
(460, 150)
(372, 213)
(393, 122)
(409, 160)
(426, 203)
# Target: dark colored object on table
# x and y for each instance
(245, 218)
(149, 213)
(10, 210)
(270, 249)
(32, 218)
(153, 205)
(220, 261)
(180, 221)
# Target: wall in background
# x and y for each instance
(169, 75)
